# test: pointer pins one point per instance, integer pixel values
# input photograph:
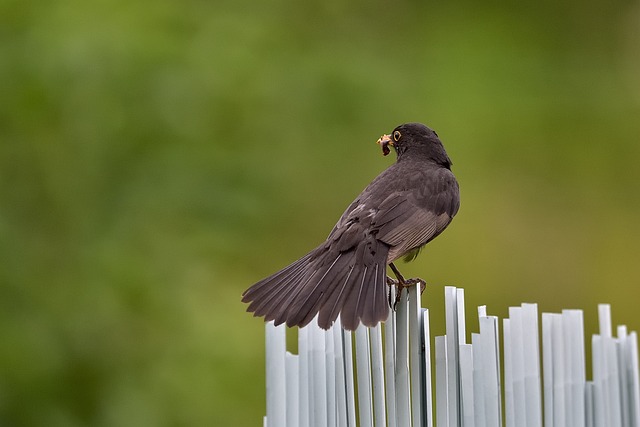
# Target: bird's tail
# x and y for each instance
(351, 284)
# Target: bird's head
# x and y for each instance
(417, 141)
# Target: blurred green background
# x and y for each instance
(157, 158)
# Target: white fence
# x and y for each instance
(382, 376)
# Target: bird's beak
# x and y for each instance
(385, 141)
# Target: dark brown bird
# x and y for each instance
(404, 208)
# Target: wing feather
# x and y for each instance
(409, 219)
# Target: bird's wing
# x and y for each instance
(409, 218)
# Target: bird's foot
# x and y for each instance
(402, 283)
(407, 284)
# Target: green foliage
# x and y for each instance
(158, 158)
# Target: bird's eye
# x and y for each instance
(396, 136)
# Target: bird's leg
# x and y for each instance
(402, 283)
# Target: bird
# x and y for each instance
(401, 210)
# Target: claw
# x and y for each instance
(391, 282)
(398, 297)
(402, 283)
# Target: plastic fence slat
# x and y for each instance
(509, 394)
(558, 360)
(491, 369)
(303, 376)
(574, 344)
(622, 375)
(276, 375)
(567, 381)
(632, 369)
(347, 342)
(604, 320)
(605, 373)
(403, 392)
(466, 385)
(461, 324)
(482, 311)
(461, 337)
(453, 380)
(547, 363)
(318, 374)
(377, 369)
(589, 417)
(600, 418)
(427, 401)
(531, 353)
(442, 402)
(330, 363)
(340, 376)
(390, 366)
(612, 382)
(363, 375)
(516, 350)
(293, 382)
(415, 356)
(478, 382)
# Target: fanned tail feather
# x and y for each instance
(367, 300)
(266, 293)
(329, 283)
(335, 300)
(265, 286)
(308, 302)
